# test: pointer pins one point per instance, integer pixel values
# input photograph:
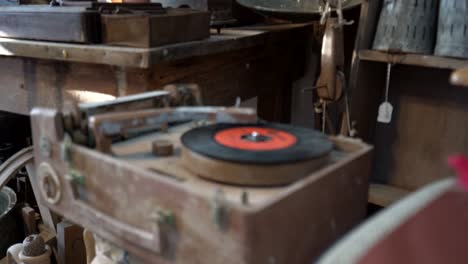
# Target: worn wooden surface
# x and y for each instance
(413, 59)
(146, 31)
(385, 195)
(228, 40)
(430, 123)
(264, 69)
(307, 206)
(66, 24)
(363, 100)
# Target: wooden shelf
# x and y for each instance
(413, 59)
(227, 41)
(385, 195)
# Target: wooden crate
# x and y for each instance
(145, 31)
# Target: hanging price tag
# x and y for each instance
(385, 113)
(386, 109)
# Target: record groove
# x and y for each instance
(263, 144)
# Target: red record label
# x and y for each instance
(255, 138)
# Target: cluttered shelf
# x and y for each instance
(413, 59)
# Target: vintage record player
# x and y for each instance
(170, 181)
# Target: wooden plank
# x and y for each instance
(228, 40)
(366, 97)
(29, 219)
(145, 31)
(71, 248)
(363, 104)
(413, 59)
(385, 195)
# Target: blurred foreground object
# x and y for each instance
(428, 227)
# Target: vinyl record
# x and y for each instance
(257, 143)
(254, 154)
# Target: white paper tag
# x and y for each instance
(385, 113)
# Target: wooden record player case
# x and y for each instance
(159, 212)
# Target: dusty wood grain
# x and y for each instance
(146, 31)
(385, 195)
(228, 40)
(413, 59)
(230, 172)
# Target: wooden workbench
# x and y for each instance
(245, 62)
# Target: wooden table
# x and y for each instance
(245, 62)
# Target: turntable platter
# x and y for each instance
(254, 154)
